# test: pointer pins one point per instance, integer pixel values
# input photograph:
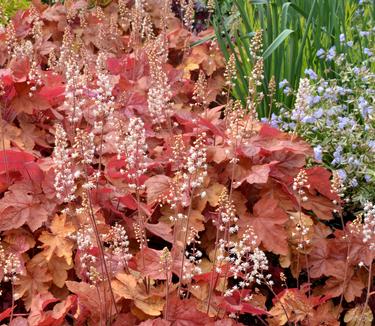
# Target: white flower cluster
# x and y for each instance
(135, 149)
(159, 93)
(248, 263)
(193, 257)
(84, 147)
(34, 77)
(119, 242)
(299, 182)
(227, 214)
(104, 102)
(196, 164)
(302, 100)
(74, 89)
(88, 262)
(369, 225)
(9, 265)
(64, 177)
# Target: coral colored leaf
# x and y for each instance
(20, 69)
(320, 205)
(126, 286)
(88, 298)
(14, 160)
(234, 304)
(350, 284)
(20, 240)
(185, 313)
(149, 263)
(211, 127)
(21, 205)
(268, 221)
(20, 162)
(23, 103)
(259, 174)
(55, 317)
(273, 140)
(57, 241)
(319, 180)
(320, 260)
(156, 187)
(37, 280)
(156, 322)
(162, 230)
(129, 201)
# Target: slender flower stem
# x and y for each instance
(212, 286)
(369, 284)
(11, 312)
(101, 250)
(186, 236)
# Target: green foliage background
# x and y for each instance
(11, 6)
(293, 32)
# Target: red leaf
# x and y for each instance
(6, 313)
(155, 322)
(20, 69)
(14, 160)
(129, 201)
(272, 140)
(267, 220)
(157, 186)
(162, 230)
(319, 180)
(235, 305)
(20, 205)
(321, 206)
(259, 173)
(185, 313)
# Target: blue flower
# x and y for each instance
(354, 182)
(308, 119)
(366, 109)
(318, 113)
(338, 159)
(311, 73)
(283, 83)
(343, 122)
(364, 33)
(287, 90)
(367, 51)
(371, 144)
(320, 54)
(342, 38)
(368, 178)
(342, 174)
(329, 123)
(331, 53)
(318, 153)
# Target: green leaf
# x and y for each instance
(259, 2)
(276, 42)
(203, 40)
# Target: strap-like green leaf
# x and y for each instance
(259, 2)
(276, 42)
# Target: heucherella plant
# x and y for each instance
(135, 191)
